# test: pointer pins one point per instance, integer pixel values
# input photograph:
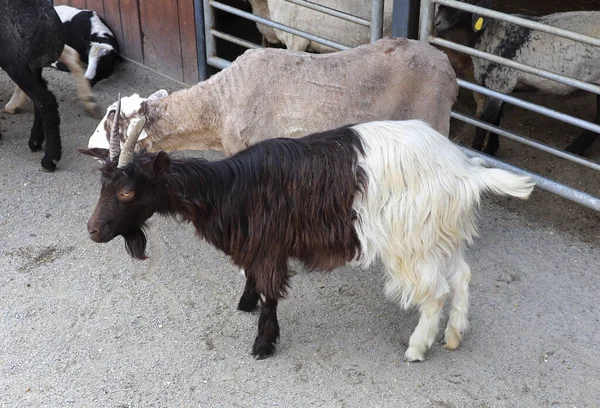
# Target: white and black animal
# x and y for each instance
(393, 78)
(549, 52)
(32, 37)
(91, 37)
(401, 192)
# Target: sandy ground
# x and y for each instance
(83, 325)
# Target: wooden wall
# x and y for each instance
(161, 34)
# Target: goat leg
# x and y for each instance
(249, 299)
(268, 329)
(492, 112)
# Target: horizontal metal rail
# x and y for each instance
(544, 183)
(551, 113)
(523, 22)
(516, 65)
(234, 39)
(332, 12)
(218, 62)
(278, 26)
(527, 141)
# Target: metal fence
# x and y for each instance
(211, 33)
(426, 34)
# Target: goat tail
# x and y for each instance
(502, 182)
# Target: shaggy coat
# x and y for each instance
(398, 191)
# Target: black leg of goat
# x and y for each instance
(268, 329)
(249, 299)
(46, 123)
(492, 113)
(585, 140)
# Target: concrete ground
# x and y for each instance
(83, 325)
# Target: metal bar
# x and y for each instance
(376, 20)
(331, 11)
(282, 27)
(527, 141)
(544, 183)
(234, 39)
(523, 22)
(516, 65)
(209, 23)
(426, 19)
(531, 106)
(200, 40)
(405, 18)
(218, 62)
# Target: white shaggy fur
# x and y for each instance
(418, 214)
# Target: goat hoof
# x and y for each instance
(262, 348)
(247, 304)
(48, 165)
(491, 150)
(575, 149)
(413, 355)
(35, 146)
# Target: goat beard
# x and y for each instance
(135, 243)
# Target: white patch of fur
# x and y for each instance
(417, 215)
(66, 13)
(97, 51)
(99, 28)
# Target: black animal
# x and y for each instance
(32, 37)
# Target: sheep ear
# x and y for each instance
(161, 162)
(96, 152)
(478, 21)
(158, 95)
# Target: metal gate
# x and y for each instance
(210, 33)
(426, 34)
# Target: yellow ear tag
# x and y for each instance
(479, 24)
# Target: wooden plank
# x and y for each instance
(62, 2)
(187, 29)
(96, 5)
(112, 16)
(131, 43)
(80, 4)
(161, 41)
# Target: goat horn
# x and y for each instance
(133, 134)
(115, 140)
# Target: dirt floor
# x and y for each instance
(84, 325)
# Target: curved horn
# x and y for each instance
(133, 134)
(115, 139)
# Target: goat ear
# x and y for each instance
(478, 21)
(96, 152)
(161, 162)
(161, 93)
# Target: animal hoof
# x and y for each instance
(262, 348)
(490, 150)
(94, 110)
(412, 354)
(34, 146)
(10, 110)
(48, 165)
(247, 305)
(575, 149)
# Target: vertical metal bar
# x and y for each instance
(376, 20)
(209, 22)
(426, 19)
(405, 19)
(200, 40)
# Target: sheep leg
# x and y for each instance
(492, 112)
(249, 299)
(426, 330)
(268, 329)
(585, 140)
(46, 121)
(458, 322)
(71, 59)
(16, 102)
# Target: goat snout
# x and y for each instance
(99, 232)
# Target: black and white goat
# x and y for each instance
(535, 48)
(32, 37)
(91, 37)
(398, 191)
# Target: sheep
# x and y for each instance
(401, 192)
(70, 58)
(89, 34)
(317, 23)
(546, 51)
(32, 37)
(273, 92)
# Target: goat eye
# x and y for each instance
(126, 194)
